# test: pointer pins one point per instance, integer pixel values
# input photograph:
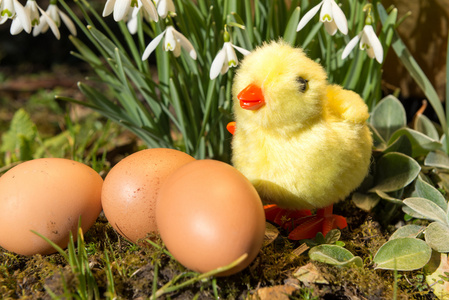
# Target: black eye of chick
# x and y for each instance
(302, 84)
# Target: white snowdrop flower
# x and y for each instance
(12, 9)
(53, 16)
(121, 8)
(331, 15)
(368, 42)
(173, 41)
(132, 20)
(164, 7)
(225, 59)
(35, 14)
(133, 15)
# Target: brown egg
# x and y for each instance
(131, 187)
(47, 195)
(208, 215)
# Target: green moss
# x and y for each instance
(133, 268)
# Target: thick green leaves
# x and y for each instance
(395, 171)
(437, 159)
(407, 231)
(425, 190)
(365, 202)
(403, 254)
(402, 145)
(427, 209)
(437, 236)
(424, 125)
(421, 143)
(388, 116)
(334, 255)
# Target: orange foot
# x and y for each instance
(305, 225)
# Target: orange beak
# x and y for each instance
(251, 97)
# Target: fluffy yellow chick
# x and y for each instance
(302, 142)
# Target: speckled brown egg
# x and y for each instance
(208, 215)
(131, 187)
(47, 195)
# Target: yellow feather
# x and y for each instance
(302, 149)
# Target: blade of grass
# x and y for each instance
(290, 30)
(199, 277)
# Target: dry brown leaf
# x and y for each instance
(309, 274)
(277, 292)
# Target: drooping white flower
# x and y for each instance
(133, 15)
(225, 59)
(54, 16)
(368, 42)
(35, 14)
(121, 8)
(132, 21)
(331, 15)
(173, 41)
(165, 6)
(12, 9)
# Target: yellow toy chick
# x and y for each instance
(302, 142)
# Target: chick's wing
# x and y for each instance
(345, 105)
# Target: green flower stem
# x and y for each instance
(136, 54)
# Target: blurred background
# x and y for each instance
(34, 69)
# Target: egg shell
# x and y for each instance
(47, 195)
(208, 215)
(131, 187)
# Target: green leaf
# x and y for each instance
(425, 126)
(332, 236)
(409, 211)
(389, 198)
(319, 238)
(378, 141)
(407, 231)
(394, 172)
(421, 143)
(427, 208)
(437, 159)
(437, 236)
(401, 145)
(425, 190)
(388, 116)
(365, 202)
(20, 126)
(290, 31)
(20, 137)
(334, 255)
(444, 142)
(388, 26)
(86, 52)
(403, 254)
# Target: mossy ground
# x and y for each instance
(133, 270)
(129, 270)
